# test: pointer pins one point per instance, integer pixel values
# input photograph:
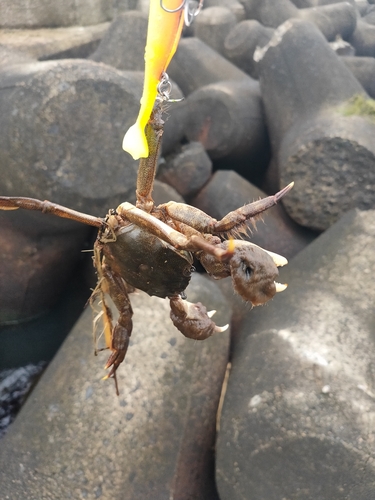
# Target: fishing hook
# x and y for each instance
(190, 11)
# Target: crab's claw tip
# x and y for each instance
(135, 142)
(211, 313)
(279, 260)
(280, 287)
(220, 329)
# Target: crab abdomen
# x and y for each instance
(148, 263)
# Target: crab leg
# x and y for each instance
(122, 330)
(168, 234)
(193, 320)
(12, 203)
(231, 222)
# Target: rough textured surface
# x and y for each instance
(54, 43)
(123, 45)
(187, 170)
(298, 416)
(62, 126)
(241, 42)
(227, 117)
(195, 64)
(363, 68)
(332, 160)
(51, 13)
(74, 438)
(212, 26)
(363, 39)
(316, 141)
(39, 253)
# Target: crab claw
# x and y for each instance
(193, 320)
(254, 272)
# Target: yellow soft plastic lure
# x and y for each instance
(163, 35)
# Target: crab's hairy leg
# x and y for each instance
(168, 234)
(12, 203)
(193, 320)
(202, 222)
(122, 330)
(147, 166)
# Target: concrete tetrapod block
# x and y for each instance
(53, 13)
(233, 5)
(227, 117)
(320, 137)
(243, 40)
(74, 438)
(363, 39)
(54, 43)
(363, 68)
(187, 170)
(213, 25)
(123, 45)
(298, 415)
(332, 20)
(39, 254)
(62, 126)
(196, 64)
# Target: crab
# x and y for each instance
(151, 248)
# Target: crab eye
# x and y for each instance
(248, 271)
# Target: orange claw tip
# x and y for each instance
(135, 142)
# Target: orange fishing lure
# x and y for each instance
(163, 35)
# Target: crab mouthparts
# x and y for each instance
(279, 261)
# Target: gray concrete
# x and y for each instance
(298, 417)
(75, 439)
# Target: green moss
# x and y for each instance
(360, 105)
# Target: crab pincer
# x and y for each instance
(193, 320)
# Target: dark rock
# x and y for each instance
(195, 64)
(370, 17)
(62, 125)
(120, 6)
(297, 415)
(303, 4)
(176, 119)
(52, 13)
(227, 118)
(54, 43)
(242, 41)
(75, 438)
(320, 126)
(162, 193)
(268, 12)
(187, 170)
(332, 20)
(39, 254)
(123, 45)
(233, 5)
(363, 39)
(363, 68)
(228, 191)
(213, 25)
